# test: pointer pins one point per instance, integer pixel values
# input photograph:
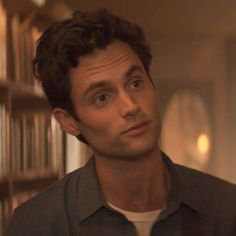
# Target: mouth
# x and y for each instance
(137, 129)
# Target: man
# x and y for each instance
(94, 69)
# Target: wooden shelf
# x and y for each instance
(27, 182)
(25, 96)
(3, 84)
(4, 186)
(37, 181)
(24, 9)
(22, 89)
(32, 150)
(3, 93)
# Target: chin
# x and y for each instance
(136, 152)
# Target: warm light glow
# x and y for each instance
(39, 3)
(203, 144)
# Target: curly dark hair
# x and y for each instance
(64, 42)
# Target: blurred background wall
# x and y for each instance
(194, 56)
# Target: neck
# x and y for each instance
(137, 185)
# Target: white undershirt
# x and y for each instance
(143, 221)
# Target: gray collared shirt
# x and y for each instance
(198, 204)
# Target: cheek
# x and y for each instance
(150, 103)
(95, 123)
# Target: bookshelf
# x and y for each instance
(32, 145)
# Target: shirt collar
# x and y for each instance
(182, 187)
(91, 199)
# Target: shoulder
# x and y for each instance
(46, 209)
(214, 197)
(207, 183)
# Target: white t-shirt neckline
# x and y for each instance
(143, 221)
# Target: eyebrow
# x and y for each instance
(132, 69)
(105, 84)
(97, 85)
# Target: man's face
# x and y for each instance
(116, 103)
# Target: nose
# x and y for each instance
(128, 106)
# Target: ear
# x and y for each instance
(66, 121)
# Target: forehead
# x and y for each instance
(114, 60)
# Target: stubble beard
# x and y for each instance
(126, 153)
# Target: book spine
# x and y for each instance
(37, 143)
(3, 43)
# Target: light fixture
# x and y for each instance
(39, 3)
(203, 143)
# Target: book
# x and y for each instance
(57, 139)
(15, 41)
(3, 43)
(37, 143)
(18, 43)
(3, 140)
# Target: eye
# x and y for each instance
(136, 84)
(101, 99)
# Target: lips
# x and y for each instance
(137, 129)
